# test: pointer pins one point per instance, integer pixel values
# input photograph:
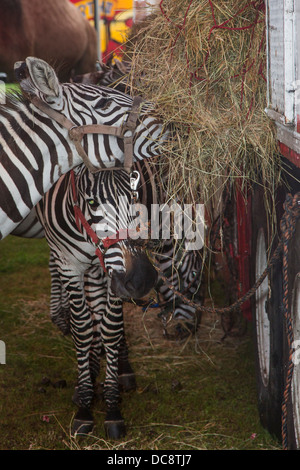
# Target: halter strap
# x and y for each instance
(80, 219)
(76, 133)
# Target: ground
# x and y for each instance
(198, 394)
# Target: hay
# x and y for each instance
(202, 62)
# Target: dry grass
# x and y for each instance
(203, 64)
(181, 401)
(196, 394)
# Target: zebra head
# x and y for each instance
(85, 105)
(105, 199)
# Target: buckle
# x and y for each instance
(134, 181)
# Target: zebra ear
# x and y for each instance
(42, 78)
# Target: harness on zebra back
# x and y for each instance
(76, 133)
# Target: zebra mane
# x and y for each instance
(14, 101)
(11, 101)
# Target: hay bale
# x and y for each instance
(202, 62)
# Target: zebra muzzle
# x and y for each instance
(138, 279)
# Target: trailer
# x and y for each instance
(275, 306)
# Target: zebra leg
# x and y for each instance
(95, 285)
(59, 300)
(114, 424)
(127, 380)
(112, 334)
(81, 326)
(107, 315)
(96, 290)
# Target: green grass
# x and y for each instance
(198, 394)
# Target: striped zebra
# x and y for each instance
(181, 267)
(178, 268)
(96, 274)
(54, 127)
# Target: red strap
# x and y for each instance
(73, 185)
(106, 242)
(109, 241)
(115, 238)
(80, 217)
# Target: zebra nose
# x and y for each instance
(138, 287)
(141, 278)
(137, 281)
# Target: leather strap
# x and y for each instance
(76, 133)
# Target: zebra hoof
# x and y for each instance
(127, 382)
(114, 426)
(83, 423)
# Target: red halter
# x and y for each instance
(106, 242)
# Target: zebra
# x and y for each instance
(54, 127)
(73, 262)
(182, 268)
(96, 279)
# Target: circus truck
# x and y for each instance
(267, 239)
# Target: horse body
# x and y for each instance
(53, 30)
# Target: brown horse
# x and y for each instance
(53, 30)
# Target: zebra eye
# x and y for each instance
(92, 203)
(103, 103)
(194, 273)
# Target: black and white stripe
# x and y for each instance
(183, 269)
(114, 75)
(82, 299)
(95, 312)
(93, 306)
(35, 150)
